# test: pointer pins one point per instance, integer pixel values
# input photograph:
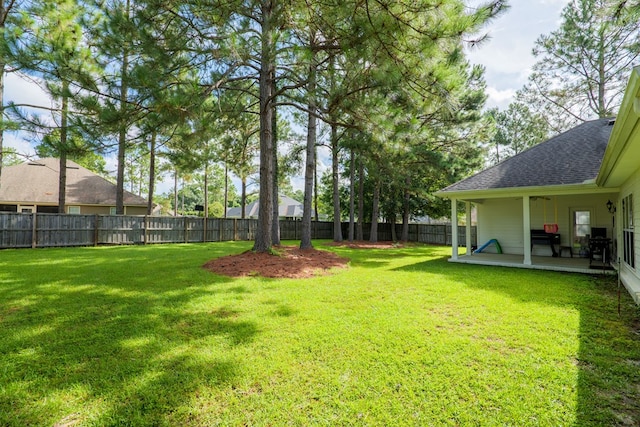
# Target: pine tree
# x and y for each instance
(516, 129)
(9, 31)
(51, 49)
(582, 67)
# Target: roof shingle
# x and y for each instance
(37, 182)
(572, 157)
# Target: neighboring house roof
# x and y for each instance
(287, 207)
(571, 158)
(37, 183)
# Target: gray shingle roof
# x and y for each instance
(37, 182)
(572, 157)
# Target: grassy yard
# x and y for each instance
(145, 336)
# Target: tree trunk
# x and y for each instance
(206, 189)
(335, 178)
(122, 133)
(602, 80)
(243, 198)
(305, 241)
(4, 10)
(152, 171)
(175, 192)
(392, 223)
(226, 189)
(405, 212)
(275, 225)
(352, 189)
(373, 236)
(182, 193)
(359, 230)
(315, 186)
(62, 178)
(263, 240)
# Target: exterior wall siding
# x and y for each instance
(630, 276)
(106, 210)
(501, 219)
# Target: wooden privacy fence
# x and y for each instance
(31, 230)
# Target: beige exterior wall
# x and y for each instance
(131, 210)
(106, 210)
(501, 219)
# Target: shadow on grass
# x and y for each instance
(379, 258)
(608, 360)
(108, 329)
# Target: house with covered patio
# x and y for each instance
(567, 204)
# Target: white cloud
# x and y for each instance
(11, 140)
(507, 54)
(499, 98)
(21, 90)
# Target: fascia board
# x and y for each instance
(552, 190)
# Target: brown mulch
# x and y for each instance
(290, 262)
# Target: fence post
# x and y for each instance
(235, 229)
(186, 229)
(34, 232)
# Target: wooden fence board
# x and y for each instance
(51, 230)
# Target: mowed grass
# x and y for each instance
(144, 336)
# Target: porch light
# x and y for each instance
(611, 207)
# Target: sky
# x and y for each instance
(506, 56)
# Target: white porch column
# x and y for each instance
(454, 229)
(526, 229)
(468, 228)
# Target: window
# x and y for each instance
(628, 249)
(581, 226)
(75, 210)
(112, 211)
(8, 208)
(47, 209)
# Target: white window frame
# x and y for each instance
(575, 239)
(628, 235)
(73, 210)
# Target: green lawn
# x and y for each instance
(145, 336)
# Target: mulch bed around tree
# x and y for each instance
(288, 262)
